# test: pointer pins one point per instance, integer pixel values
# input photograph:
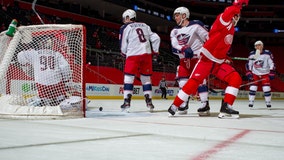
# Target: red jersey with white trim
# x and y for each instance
(221, 35)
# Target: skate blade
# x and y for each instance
(151, 110)
(182, 112)
(228, 116)
(126, 110)
(204, 114)
(170, 115)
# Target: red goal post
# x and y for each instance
(42, 72)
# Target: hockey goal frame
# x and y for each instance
(21, 110)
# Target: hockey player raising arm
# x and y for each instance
(261, 69)
(213, 54)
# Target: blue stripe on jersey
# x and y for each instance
(202, 88)
(128, 87)
(147, 87)
(267, 94)
(252, 93)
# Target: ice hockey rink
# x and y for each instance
(139, 135)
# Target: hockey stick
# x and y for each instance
(214, 91)
(242, 58)
(249, 83)
(33, 7)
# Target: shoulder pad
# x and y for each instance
(252, 53)
(177, 27)
(199, 23)
(196, 22)
(267, 52)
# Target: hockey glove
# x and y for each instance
(241, 3)
(188, 53)
(271, 75)
(249, 76)
(155, 56)
(228, 60)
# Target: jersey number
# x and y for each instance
(141, 36)
(47, 62)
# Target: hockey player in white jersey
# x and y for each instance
(260, 68)
(187, 38)
(50, 71)
(138, 44)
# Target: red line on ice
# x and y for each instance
(218, 147)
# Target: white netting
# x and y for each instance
(41, 72)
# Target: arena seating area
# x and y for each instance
(103, 48)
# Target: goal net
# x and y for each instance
(41, 72)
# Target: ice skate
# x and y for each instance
(149, 103)
(268, 105)
(126, 105)
(204, 110)
(172, 110)
(228, 112)
(250, 104)
(182, 110)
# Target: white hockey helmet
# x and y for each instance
(258, 43)
(182, 10)
(129, 13)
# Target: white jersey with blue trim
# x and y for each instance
(49, 67)
(136, 38)
(261, 64)
(193, 35)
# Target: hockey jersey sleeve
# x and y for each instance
(25, 58)
(229, 13)
(250, 61)
(123, 34)
(64, 67)
(155, 40)
(174, 42)
(270, 61)
(202, 31)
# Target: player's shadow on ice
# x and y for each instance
(105, 114)
(215, 115)
(267, 109)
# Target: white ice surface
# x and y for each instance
(140, 135)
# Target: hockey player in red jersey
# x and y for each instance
(212, 61)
